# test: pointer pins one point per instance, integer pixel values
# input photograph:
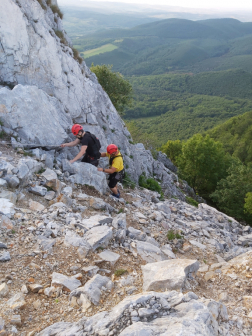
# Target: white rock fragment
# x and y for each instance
(36, 206)
(168, 274)
(68, 283)
(109, 256)
(4, 290)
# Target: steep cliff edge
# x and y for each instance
(44, 89)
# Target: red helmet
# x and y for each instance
(76, 129)
(112, 149)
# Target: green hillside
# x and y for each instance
(169, 107)
(236, 136)
(175, 45)
(190, 114)
(187, 76)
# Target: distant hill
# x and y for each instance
(187, 76)
(174, 45)
(84, 21)
(236, 136)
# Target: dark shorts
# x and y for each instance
(90, 160)
(113, 180)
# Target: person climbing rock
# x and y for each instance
(115, 170)
(90, 145)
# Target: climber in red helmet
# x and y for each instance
(90, 145)
(115, 170)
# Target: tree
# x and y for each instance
(118, 89)
(248, 203)
(203, 163)
(173, 150)
(233, 193)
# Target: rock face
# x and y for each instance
(169, 313)
(51, 90)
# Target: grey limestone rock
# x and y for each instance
(67, 283)
(168, 274)
(3, 183)
(149, 252)
(71, 238)
(41, 108)
(5, 256)
(133, 233)
(109, 256)
(12, 196)
(85, 173)
(99, 236)
(4, 290)
(38, 190)
(12, 180)
(120, 224)
(26, 167)
(177, 315)
(17, 301)
(165, 207)
(197, 244)
(3, 246)
(245, 240)
(166, 249)
(166, 161)
(6, 207)
(92, 288)
(96, 220)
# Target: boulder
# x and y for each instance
(149, 252)
(92, 288)
(71, 238)
(96, 220)
(5, 256)
(90, 270)
(3, 246)
(4, 290)
(197, 244)
(13, 181)
(120, 224)
(6, 194)
(27, 167)
(135, 234)
(17, 301)
(87, 174)
(67, 283)
(16, 320)
(36, 206)
(34, 288)
(3, 183)
(167, 251)
(109, 256)
(170, 313)
(6, 223)
(165, 207)
(99, 236)
(52, 180)
(168, 274)
(38, 190)
(245, 240)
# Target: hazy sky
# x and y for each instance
(213, 4)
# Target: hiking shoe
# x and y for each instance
(116, 195)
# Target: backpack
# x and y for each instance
(95, 148)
